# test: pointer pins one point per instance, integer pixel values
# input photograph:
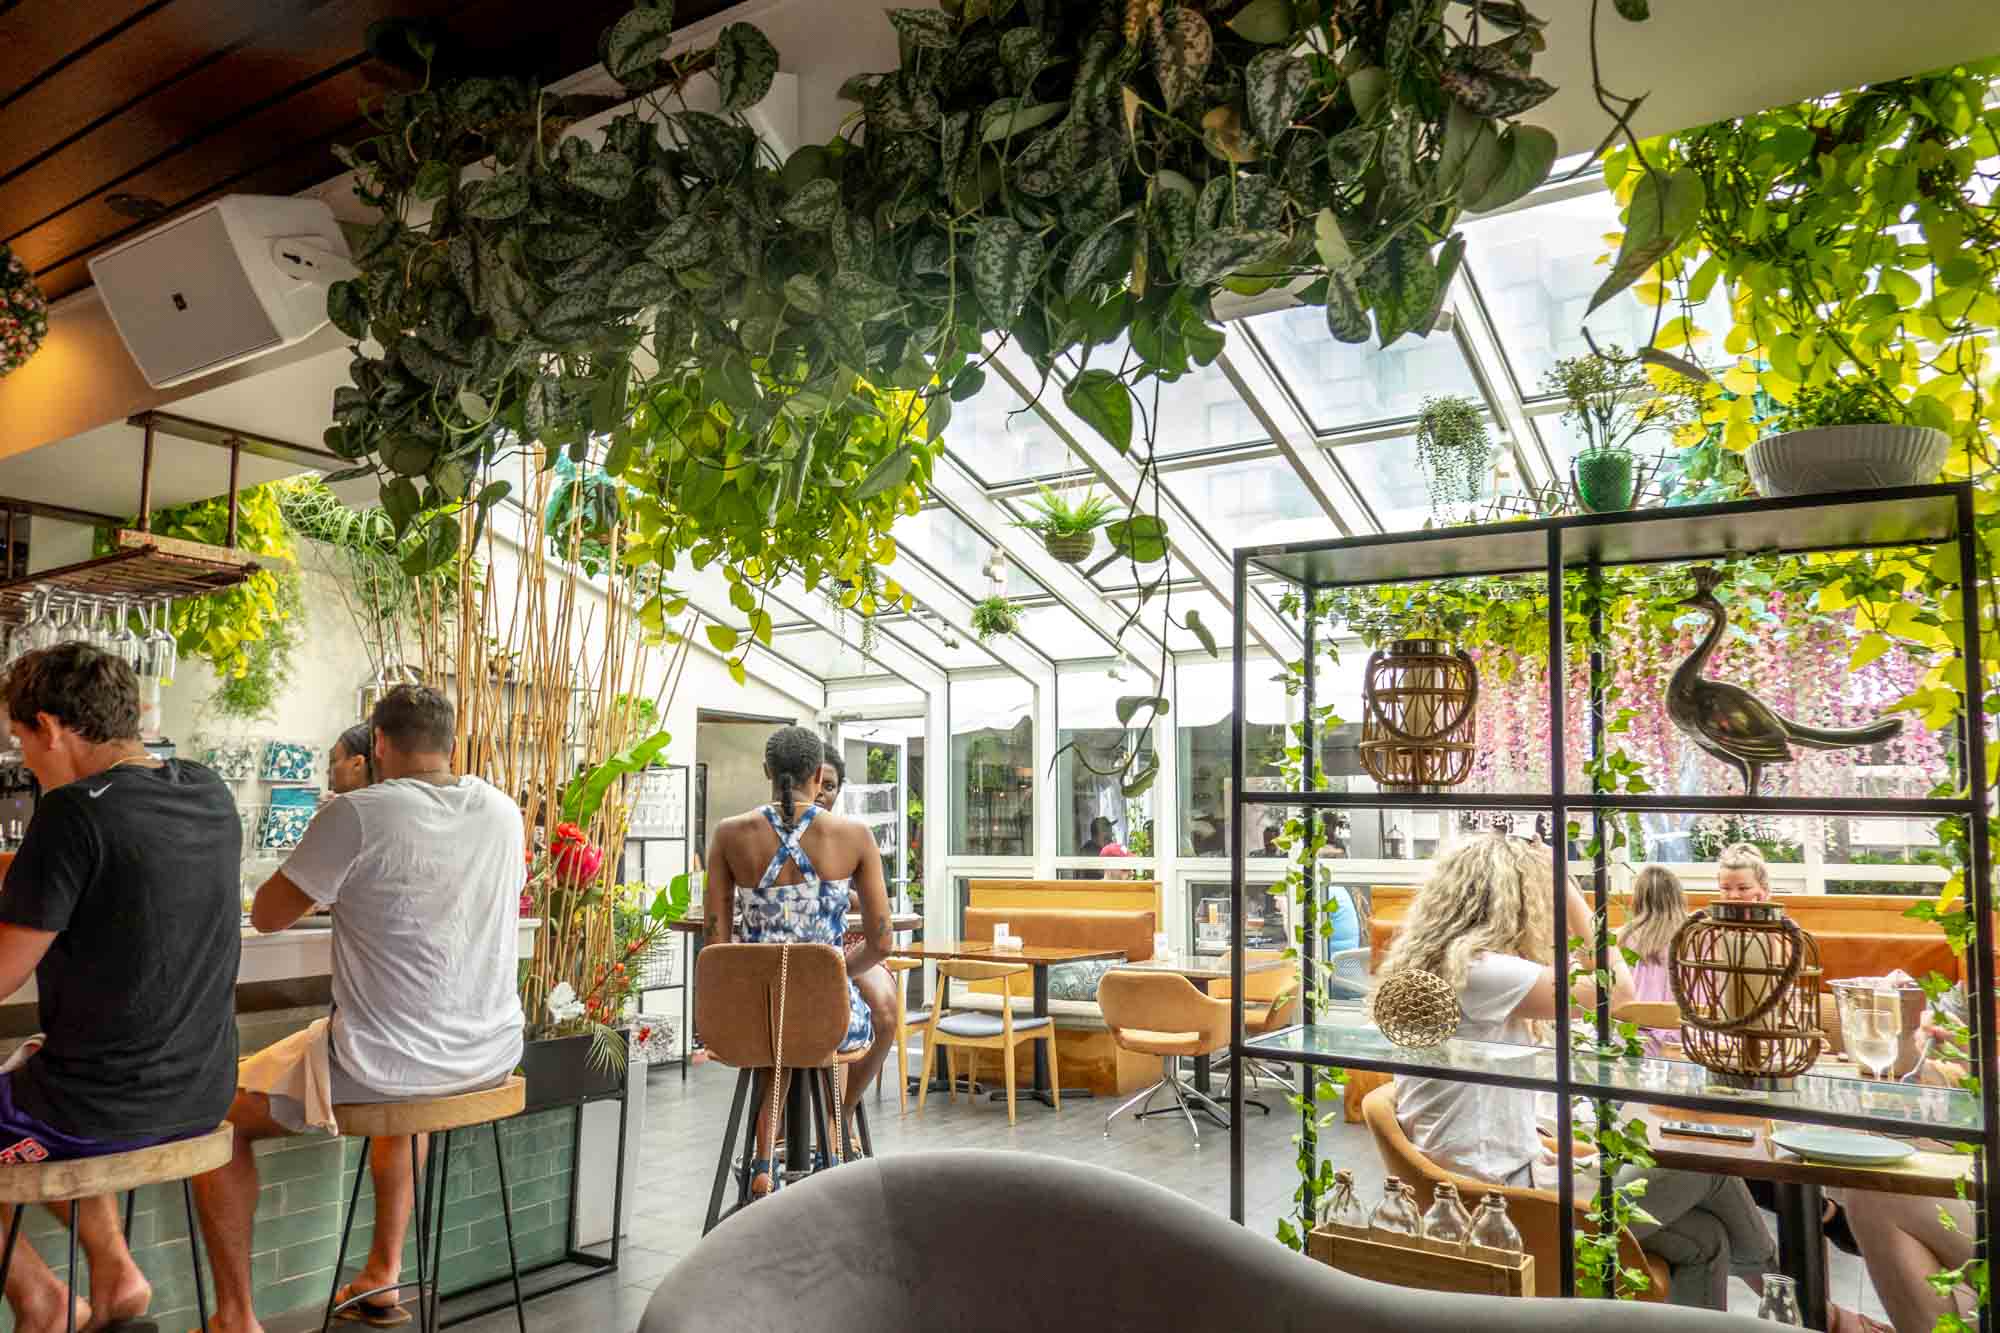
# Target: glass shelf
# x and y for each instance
(1580, 802)
(1824, 1098)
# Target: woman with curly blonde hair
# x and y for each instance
(1483, 923)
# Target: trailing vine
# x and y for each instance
(1454, 447)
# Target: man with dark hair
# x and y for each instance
(122, 904)
(426, 868)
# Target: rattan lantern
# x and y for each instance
(1747, 980)
(1416, 1009)
(1419, 698)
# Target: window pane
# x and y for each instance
(1537, 268)
(1343, 385)
(936, 643)
(956, 550)
(1252, 503)
(1091, 808)
(1202, 731)
(1392, 480)
(1200, 410)
(822, 653)
(992, 767)
(999, 442)
(1060, 633)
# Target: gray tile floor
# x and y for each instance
(678, 1152)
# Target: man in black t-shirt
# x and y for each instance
(123, 905)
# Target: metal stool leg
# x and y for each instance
(507, 1212)
(346, 1229)
(7, 1256)
(420, 1209)
(131, 1198)
(825, 1135)
(69, 1315)
(194, 1254)
(743, 1077)
(762, 1085)
(443, 1189)
(861, 1124)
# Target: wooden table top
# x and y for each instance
(1205, 966)
(1035, 955)
(1932, 1174)
(694, 925)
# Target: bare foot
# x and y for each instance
(118, 1297)
(43, 1312)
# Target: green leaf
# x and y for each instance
(1142, 538)
(968, 384)
(745, 65)
(433, 180)
(721, 637)
(1331, 242)
(1142, 781)
(642, 284)
(803, 292)
(1006, 260)
(1023, 52)
(1183, 44)
(1634, 10)
(636, 42)
(1128, 706)
(1225, 250)
(608, 175)
(348, 308)
(400, 502)
(1101, 400)
(571, 317)
(683, 243)
(1369, 87)
(1490, 82)
(925, 29)
(1662, 212)
(1462, 129)
(1266, 22)
(1485, 159)
(1093, 257)
(584, 796)
(495, 199)
(1007, 118)
(887, 475)
(1275, 82)
(1531, 151)
(814, 206)
(1402, 286)
(1201, 631)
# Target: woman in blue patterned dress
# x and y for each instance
(785, 871)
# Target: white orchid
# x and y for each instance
(563, 1004)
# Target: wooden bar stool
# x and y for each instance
(412, 1119)
(761, 1007)
(115, 1173)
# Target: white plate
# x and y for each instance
(1845, 1146)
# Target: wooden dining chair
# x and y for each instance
(899, 969)
(974, 1030)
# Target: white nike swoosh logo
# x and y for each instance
(100, 791)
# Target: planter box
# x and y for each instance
(559, 1073)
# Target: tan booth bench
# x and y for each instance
(1079, 913)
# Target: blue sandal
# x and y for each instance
(765, 1168)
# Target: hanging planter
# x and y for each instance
(1068, 531)
(994, 616)
(1072, 548)
(1419, 705)
(24, 312)
(1605, 480)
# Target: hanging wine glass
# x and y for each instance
(122, 640)
(58, 625)
(162, 653)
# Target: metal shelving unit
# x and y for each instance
(1551, 549)
(667, 843)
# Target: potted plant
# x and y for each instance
(1068, 531)
(1845, 436)
(1454, 446)
(994, 615)
(1603, 409)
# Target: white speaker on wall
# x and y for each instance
(238, 278)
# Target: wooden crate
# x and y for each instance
(1422, 1266)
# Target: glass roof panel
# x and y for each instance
(1181, 640)
(1250, 503)
(936, 643)
(956, 550)
(823, 653)
(1343, 386)
(1199, 411)
(999, 442)
(1537, 268)
(1391, 479)
(1060, 633)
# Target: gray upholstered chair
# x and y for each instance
(990, 1242)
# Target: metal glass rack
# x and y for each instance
(1551, 548)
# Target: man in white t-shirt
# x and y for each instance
(425, 870)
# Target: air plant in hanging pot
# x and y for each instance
(1068, 531)
(995, 616)
(1455, 449)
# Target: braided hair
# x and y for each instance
(792, 757)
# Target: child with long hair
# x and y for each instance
(1659, 909)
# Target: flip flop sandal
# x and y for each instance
(369, 1313)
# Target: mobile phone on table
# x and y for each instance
(1704, 1129)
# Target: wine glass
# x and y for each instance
(122, 640)
(1871, 1026)
(162, 653)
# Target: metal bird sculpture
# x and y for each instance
(1735, 725)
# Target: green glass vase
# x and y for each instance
(1603, 480)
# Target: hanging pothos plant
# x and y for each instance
(765, 344)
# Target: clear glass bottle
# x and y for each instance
(1493, 1229)
(1446, 1221)
(1780, 1303)
(1344, 1207)
(1397, 1213)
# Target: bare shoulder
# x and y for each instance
(736, 827)
(840, 827)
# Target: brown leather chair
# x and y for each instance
(760, 1007)
(1534, 1211)
(1270, 1002)
(976, 1030)
(1161, 1013)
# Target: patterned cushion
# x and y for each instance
(1078, 981)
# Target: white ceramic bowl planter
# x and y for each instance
(1846, 458)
